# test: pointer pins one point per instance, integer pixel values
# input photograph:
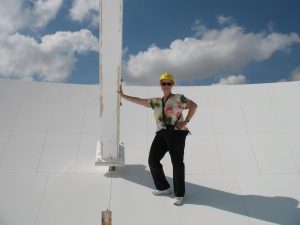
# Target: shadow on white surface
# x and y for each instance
(278, 209)
(243, 159)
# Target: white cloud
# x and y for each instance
(222, 20)
(10, 16)
(85, 10)
(44, 11)
(295, 76)
(271, 26)
(198, 28)
(23, 57)
(50, 60)
(226, 50)
(232, 80)
(15, 15)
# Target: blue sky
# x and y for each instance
(202, 42)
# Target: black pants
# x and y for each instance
(172, 141)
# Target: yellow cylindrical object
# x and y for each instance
(106, 217)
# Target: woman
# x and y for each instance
(170, 135)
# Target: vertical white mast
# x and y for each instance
(110, 60)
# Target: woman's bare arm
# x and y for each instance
(139, 101)
(191, 106)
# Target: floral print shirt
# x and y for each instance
(173, 110)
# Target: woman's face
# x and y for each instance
(166, 84)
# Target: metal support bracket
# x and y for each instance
(110, 161)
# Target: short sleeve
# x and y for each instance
(184, 101)
(154, 102)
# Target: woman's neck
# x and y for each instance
(166, 94)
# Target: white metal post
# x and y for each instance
(109, 151)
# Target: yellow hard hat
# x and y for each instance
(167, 76)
